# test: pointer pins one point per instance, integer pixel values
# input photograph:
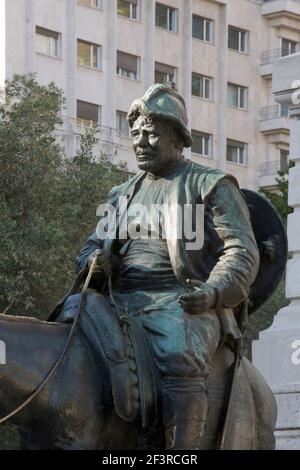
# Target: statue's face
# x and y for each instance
(156, 145)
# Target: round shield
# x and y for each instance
(271, 239)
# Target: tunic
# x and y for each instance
(153, 272)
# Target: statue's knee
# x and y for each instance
(94, 302)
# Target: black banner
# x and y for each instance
(139, 459)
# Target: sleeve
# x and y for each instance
(238, 264)
(93, 243)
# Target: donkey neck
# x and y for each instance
(32, 347)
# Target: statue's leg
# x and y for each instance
(69, 308)
(184, 347)
(185, 410)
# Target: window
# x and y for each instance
(47, 42)
(202, 86)
(166, 17)
(238, 39)
(164, 73)
(236, 152)
(88, 54)
(284, 160)
(202, 143)
(284, 110)
(127, 65)
(88, 114)
(122, 124)
(202, 28)
(288, 47)
(128, 8)
(237, 96)
(91, 3)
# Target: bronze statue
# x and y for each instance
(163, 316)
(184, 327)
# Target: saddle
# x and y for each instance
(125, 350)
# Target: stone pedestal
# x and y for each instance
(277, 351)
(277, 355)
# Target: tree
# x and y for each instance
(48, 202)
(280, 198)
(263, 318)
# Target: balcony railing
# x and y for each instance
(270, 1)
(274, 112)
(268, 56)
(104, 133)
(272, 168)
(269, 168)
(267, 1)
(110, 140)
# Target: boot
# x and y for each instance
(184, 409)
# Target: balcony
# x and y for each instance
(274, 123)
(105, 135)
(281, 10)
(269, 168)
(269, 56)
(268, 173)
(274, 112)
(111, 141)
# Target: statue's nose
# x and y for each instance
(143, 140)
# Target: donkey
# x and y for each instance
(75, 410)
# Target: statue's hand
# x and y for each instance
(200, 300)
(103, 263)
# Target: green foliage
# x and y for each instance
(280, 198)
(9, 437)
(48, 202)
(263, 317)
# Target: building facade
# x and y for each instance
(276, 353)
(218, 54)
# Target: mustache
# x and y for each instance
(140, 153)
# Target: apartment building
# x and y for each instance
(218, 54)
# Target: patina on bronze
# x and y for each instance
(159, 329)
(185, 328)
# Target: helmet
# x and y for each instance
(162, 102)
